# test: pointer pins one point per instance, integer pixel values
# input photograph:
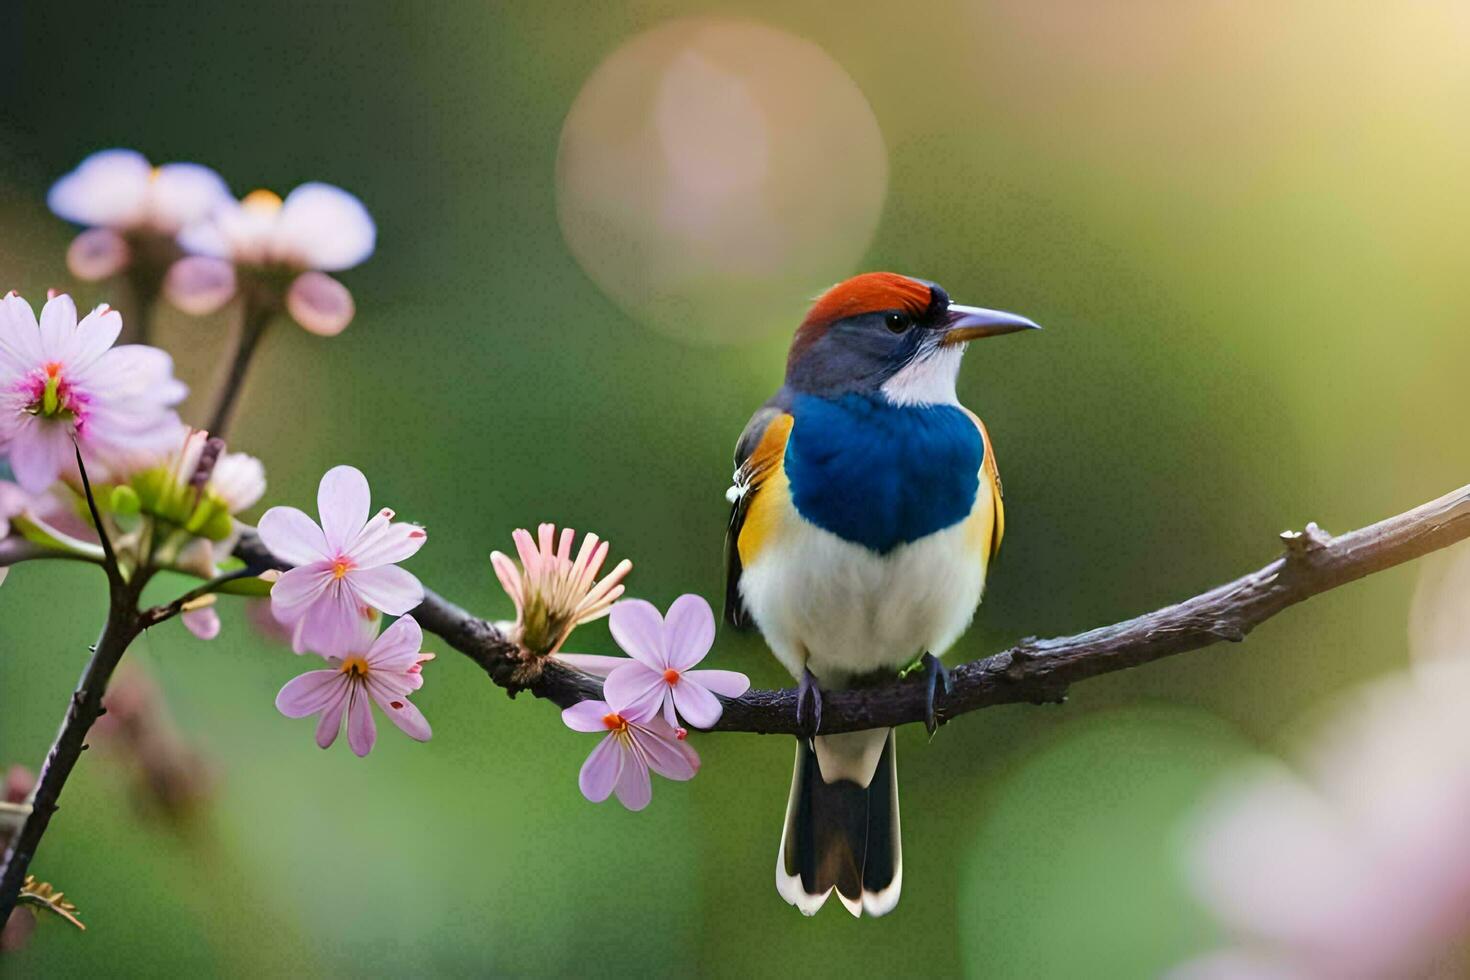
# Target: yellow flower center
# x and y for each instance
(261, 200)
(341, 567)
(355, 666)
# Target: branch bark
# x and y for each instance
(1036, 671)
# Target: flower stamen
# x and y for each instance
(355, 666)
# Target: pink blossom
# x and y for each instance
(317, 229)
(203, 623)
(621, 761)
(62, 380)
(385, 670)
(1356, 862)
(345, 569)
(118, 195)
(663, 651)
(553, 592)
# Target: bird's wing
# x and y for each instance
(990, 472)
(758, 454)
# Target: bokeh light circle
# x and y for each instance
(714, 174)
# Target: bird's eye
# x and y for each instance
(897, 322)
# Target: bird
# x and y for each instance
(865, 511)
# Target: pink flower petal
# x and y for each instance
(635, 691)
(58, 322)
(329, 726)
(333, 624)
(591, 663)
(698, 706)
(394, 703)
(183, 193)
(309, 693)
(199, 285)
(639, 630)
(388, 587)
(320, 304)
(39, 453)
(689, 631)
(362, 732)
(203, 623)
(342, 502)
(509, 576)
(397, 648)
(20, 337)
(407, 717)
(325, 227)
(93, 337)
(392, 544)
(295, 591)
(292, 536)
(586, 716)
(729, 683)
(603, 767)
(667, 754)
(634, 788)
(97, 254)
(107, 188)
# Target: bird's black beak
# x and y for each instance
(963, 323)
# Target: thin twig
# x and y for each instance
(161, 614)
(109, 557)
(257, 316)
(1036, 671)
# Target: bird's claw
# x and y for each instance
(935, 673)
(808, 720)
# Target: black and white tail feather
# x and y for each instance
(842, 832)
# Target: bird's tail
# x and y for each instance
(841, 830)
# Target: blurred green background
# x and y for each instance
(1243, 225)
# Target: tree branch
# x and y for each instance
(71, 740)
(1035, 671)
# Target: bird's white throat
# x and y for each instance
(928, 380)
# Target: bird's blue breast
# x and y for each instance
(878, 474)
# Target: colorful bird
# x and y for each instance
(867, 508)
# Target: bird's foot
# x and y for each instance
(935, 674)
(808, 719)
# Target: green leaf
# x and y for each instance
(256, 587)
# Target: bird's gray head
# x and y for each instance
(883, 332)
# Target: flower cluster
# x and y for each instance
(105, 471)
(317, 229)
(134, 211)
(344, 570)
(646, 695)
(344, 577)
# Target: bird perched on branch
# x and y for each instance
(867, 507)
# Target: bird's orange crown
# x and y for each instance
(867, 293)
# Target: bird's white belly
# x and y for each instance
(840, 610)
